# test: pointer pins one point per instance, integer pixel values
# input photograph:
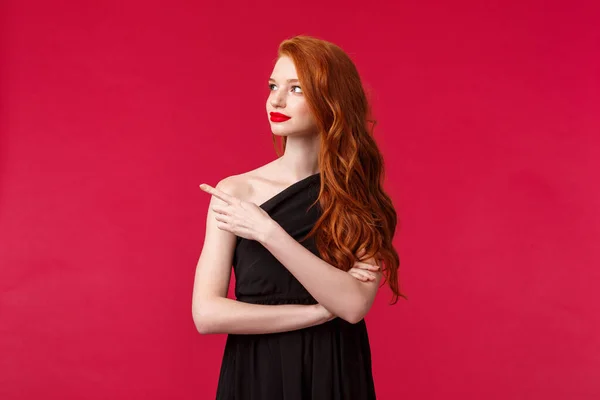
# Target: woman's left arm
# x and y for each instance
(335, 289)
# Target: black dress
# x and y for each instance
(331, 361)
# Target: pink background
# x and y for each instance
(112, 113)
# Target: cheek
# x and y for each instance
(303, 111)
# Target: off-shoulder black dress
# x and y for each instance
(331, 361)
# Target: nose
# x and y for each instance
(278, 99)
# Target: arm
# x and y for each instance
(213, 312)
(336, 290)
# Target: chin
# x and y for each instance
(279, 130)
(289, 131)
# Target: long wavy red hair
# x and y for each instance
(357, 213)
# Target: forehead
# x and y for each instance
(284, 69)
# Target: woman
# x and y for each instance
(295, 230)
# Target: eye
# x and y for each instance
(272, 87)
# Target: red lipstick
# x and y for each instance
(278, 117)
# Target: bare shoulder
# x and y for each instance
(247, 185)
(239, 186)
(233, 185)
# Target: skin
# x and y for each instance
(234, 211)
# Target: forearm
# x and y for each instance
(224, 315)
(335, 289)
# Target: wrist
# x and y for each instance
(319, 312)
(323, 315)
(269, 232)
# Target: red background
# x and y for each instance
(112, 113)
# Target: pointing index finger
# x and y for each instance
(217, 193)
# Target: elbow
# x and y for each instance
(202, 327)
(353, 318)
(201, 323)
(355, 314)
(202, 319)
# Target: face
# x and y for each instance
(286, 97)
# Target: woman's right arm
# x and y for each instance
(213, 312)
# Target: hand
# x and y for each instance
(242, 218)
(360, 270)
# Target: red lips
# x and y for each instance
(278, 117)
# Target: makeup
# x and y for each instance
(278, 117)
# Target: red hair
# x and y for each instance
(357, 213)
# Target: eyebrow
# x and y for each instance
(288, 81)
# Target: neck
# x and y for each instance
(301, 156)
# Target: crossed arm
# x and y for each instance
(337, 290)
(339, 293)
